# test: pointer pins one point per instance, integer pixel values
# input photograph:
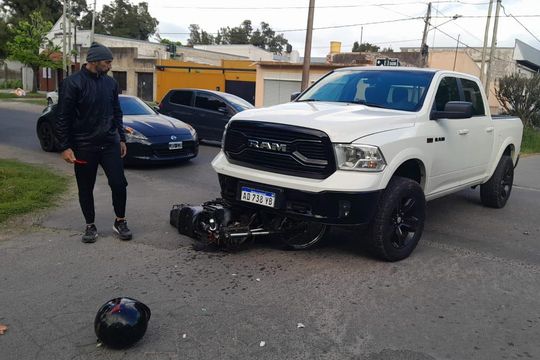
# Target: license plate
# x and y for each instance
(175, 145)
(260, 197)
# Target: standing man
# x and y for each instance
(90, 132)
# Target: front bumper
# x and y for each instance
(328, 207)
(160, 153)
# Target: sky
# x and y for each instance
(387, 23)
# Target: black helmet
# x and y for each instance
(121, 322)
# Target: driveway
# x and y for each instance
(469, 291)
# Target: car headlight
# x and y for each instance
(359, 157)
(192, 131)
(133, 135)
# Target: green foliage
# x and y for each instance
(531, 141)
(4, 38)
(197, 36)
(28, 38)
(123, 19)
(24, 188)
(520, 96)
(263, 37)
(11, 84)
(365, 47)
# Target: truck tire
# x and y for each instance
(302, 235)
(397, 226)
(496, 191)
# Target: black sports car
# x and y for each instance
(150, 136)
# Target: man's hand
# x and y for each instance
(68, 156)
(123, 149)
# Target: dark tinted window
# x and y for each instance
(448, 91)
(181, 97)
(209, 102)
(472, 94)
(134, 106)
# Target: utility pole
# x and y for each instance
(69, 39)
(493, 45)
(93, 24)
(361, 35)
(455, 55)
(424, 46)
(64, 40)
(483, 66)
(307, 49)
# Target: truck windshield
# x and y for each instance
(390, 89)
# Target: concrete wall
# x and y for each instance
(249, 51)
(213, 58)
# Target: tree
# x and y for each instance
(4, 38)
(365, 47)
(51, 10)
(28, 38)
(121, 18)
(520, 96)
(263, 37)
(197, 36)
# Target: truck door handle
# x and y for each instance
(490, 129)
(463, 131)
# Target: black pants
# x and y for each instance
(109, 158)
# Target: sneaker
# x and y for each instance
(90, 234)
(120, 227)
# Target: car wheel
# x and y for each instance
(301, 235)
(496, 191)
(398, 224)
(46, 137)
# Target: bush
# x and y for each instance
(11, 84)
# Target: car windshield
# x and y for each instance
(238, 103)
(134, 106)
(390, 89)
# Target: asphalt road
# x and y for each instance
(469, 291)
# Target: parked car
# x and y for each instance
(52, 97)
(206, 110)
(150, 136)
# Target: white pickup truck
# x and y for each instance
(368, 146)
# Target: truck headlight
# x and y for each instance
(133, 135)
(359, 157)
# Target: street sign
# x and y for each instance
(387, 62)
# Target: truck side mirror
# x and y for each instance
(294, 95)
(454, 110)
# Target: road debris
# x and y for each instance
(3, 329)
(262, 343)
(300, 326)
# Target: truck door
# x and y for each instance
(481, 129)
(449, 141)
(212, 115)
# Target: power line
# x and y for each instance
(318, 7)
(462, 28)
(319, 28)
(519, 22)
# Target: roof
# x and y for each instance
(527, 55)
(389, 68)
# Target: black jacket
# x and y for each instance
(89, 113)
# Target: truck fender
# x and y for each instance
(400, 159)
(495, 161)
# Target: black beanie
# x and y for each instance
(98, 52)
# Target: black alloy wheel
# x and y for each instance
(405, 222)
(399, 219)
(496, 191)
